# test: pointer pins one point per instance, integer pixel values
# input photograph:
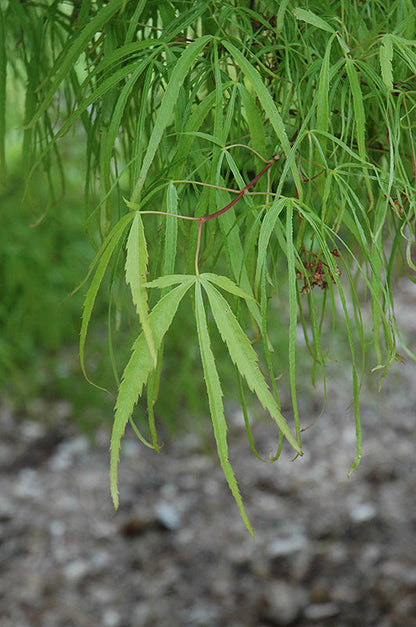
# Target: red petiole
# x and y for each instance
(203, 219)
(245, 189)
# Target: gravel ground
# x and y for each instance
(328, 550)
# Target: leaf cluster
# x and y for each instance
(304, 116)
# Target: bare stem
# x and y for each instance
(172, 215)
(248, 148)
(198, 246)
(225, 189)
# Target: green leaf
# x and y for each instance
(266, 231)
(245, 358)
(167, 281)
(101, 261)
(281, 16)
(359, 112)
(71, 52)
(137, 372)
(226, 284)
(386, 58)
(268, 105)
(307, 16)
(136, 268)
(322, 108)
(215, 401)
(254, 120)
(293, 319)
(235, 251)
(182, 67)
(171, 231)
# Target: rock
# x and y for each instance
(67, 452)
(167, 515)
(282, 602)
(320, 611)
(28, 485)
(363, 513)
(76, 570)
(286, 545)
(111, 618)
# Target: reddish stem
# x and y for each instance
(245, 189)
(242, 192)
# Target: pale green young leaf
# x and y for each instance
(311, 18)
(266, 231)
(170, 97)
(215, 401)
(281, 16)
(101, 262)
(386, 58)
(322, 107)
(293, 318)
(234, 250)
(245, 358)
(227, 284)
(137, 371)
(254, 121)
(358, 104)
(136, 269)
(171, 231)
(163, 282)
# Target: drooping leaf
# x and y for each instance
(71, 53)
(234, 249)
(137, 371)
(245, 358)
(386, 58)
(163, 282)
(293, 318)
(266, 231)
(226, 284)
(101, 261)
(268, 105)
(166, 108)
(136, 268)
(171, 231)
(322, 108)
(215, 401)
(311, 18)
(359, 111)
(254, 121)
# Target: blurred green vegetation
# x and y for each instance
(45, 255)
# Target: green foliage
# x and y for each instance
(304, 114)
(36, 276)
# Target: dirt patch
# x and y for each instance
(328, 550)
